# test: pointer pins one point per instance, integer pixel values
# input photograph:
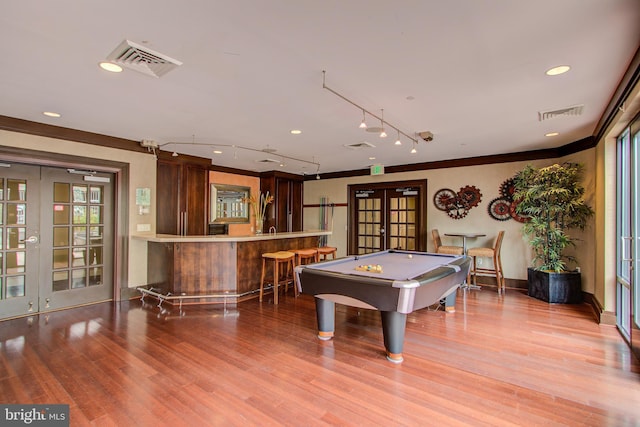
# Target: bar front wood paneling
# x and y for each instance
(214, 266)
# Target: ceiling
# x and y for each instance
(472, 72)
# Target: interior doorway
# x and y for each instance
(628, 236)
(389, 215)
(56, 238)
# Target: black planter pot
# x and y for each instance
(552, 287)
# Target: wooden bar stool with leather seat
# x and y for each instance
(324, 251)
(494, 254)
(280, 259)
(440, 249)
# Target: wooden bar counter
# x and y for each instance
(202, 269)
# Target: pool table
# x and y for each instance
(393, 282)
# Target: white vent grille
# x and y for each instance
(360, 145)
(268, 161)
(576, 110)
(142, 59)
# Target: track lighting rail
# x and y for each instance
(364, 110)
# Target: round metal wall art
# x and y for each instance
(457, 204)
(505, 207)
(500, 209)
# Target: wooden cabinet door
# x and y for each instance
(182, 198)
(195, 200)
(168, 198)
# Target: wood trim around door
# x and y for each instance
(352, 220)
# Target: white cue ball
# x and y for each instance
(410, 256)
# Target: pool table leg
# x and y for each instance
(450, 302)
(326, 314)
(393, 326)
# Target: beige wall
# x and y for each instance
(516, 254)
(142, 174)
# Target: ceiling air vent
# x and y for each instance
(268, 161)
(142, 59)
(359, 145)
(576, 110)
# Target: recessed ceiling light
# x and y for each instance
(217, 152)
(558, 70)
(551, 134)
(372, 158)
(110, 66)
(296, 132)
(51, 114)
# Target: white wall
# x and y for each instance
(516, 255)
(142, 174)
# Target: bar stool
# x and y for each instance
(439, 249)
(280, 258)
(494, 254)
(324, 251)
(303, 256)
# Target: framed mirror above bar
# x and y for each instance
(229, 204)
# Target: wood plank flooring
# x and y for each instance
(497, 361)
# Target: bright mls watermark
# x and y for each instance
(34, 415)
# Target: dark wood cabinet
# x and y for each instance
(285, 213)
(183, 192)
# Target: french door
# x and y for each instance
(628, 236)
(56, 238)
(387, 216)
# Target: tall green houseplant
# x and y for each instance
(553, 200)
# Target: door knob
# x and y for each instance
(30, 239)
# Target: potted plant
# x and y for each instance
(552, 200)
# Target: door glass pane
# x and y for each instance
(79, 236)
(60, 214)
(61, 192)
(79, 193)
(95, 255)
(79, 214)
(79, 278)
(96, 214)
(16, 189)
(60, 236)
(16, 262)
(15, 286)
(1, 195)
(1, 267)
(95, 276)
(16, 214)
(60, 280)
(95, 235)
(15, 237)
(79, 257)
(60, 258)
(96, 195)
(1, 213)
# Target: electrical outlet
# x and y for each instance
(479, 261)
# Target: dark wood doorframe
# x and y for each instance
(121, 200)
(421, 220)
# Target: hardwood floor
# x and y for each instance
(497, 361)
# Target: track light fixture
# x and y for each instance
(383, 134)
(364, 110)
(413, 150)
(398, 142)
(363, 124)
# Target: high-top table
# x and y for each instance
(465, 236)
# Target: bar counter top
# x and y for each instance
(168, 238)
